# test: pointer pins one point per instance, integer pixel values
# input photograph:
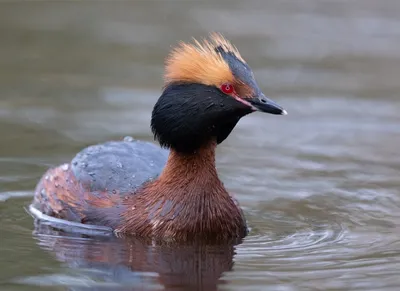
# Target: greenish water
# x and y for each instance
(320, 186)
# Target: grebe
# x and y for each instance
(138, 188)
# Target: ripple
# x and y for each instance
(289, 238)
(80, 280)
(69, 226)
(14, 194)
(314, 241)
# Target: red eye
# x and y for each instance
(227, 88)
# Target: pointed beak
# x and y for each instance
(263, 104)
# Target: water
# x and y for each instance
(320, 186)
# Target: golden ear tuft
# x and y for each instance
(200, 62)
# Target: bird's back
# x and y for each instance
(97, 180)
(118, 165)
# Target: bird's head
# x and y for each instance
(208, 88)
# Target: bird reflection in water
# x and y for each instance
(138, 263)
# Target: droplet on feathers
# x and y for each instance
(128, 138)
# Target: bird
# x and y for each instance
(171, 190)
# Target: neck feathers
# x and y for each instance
(187, 200)
(195, 172)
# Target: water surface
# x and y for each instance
(320, 186)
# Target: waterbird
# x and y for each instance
(171, 190)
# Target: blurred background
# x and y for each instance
(320, 186)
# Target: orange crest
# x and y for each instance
(200, 62)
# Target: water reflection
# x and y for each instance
(134, 263)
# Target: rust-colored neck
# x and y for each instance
(197, 169)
